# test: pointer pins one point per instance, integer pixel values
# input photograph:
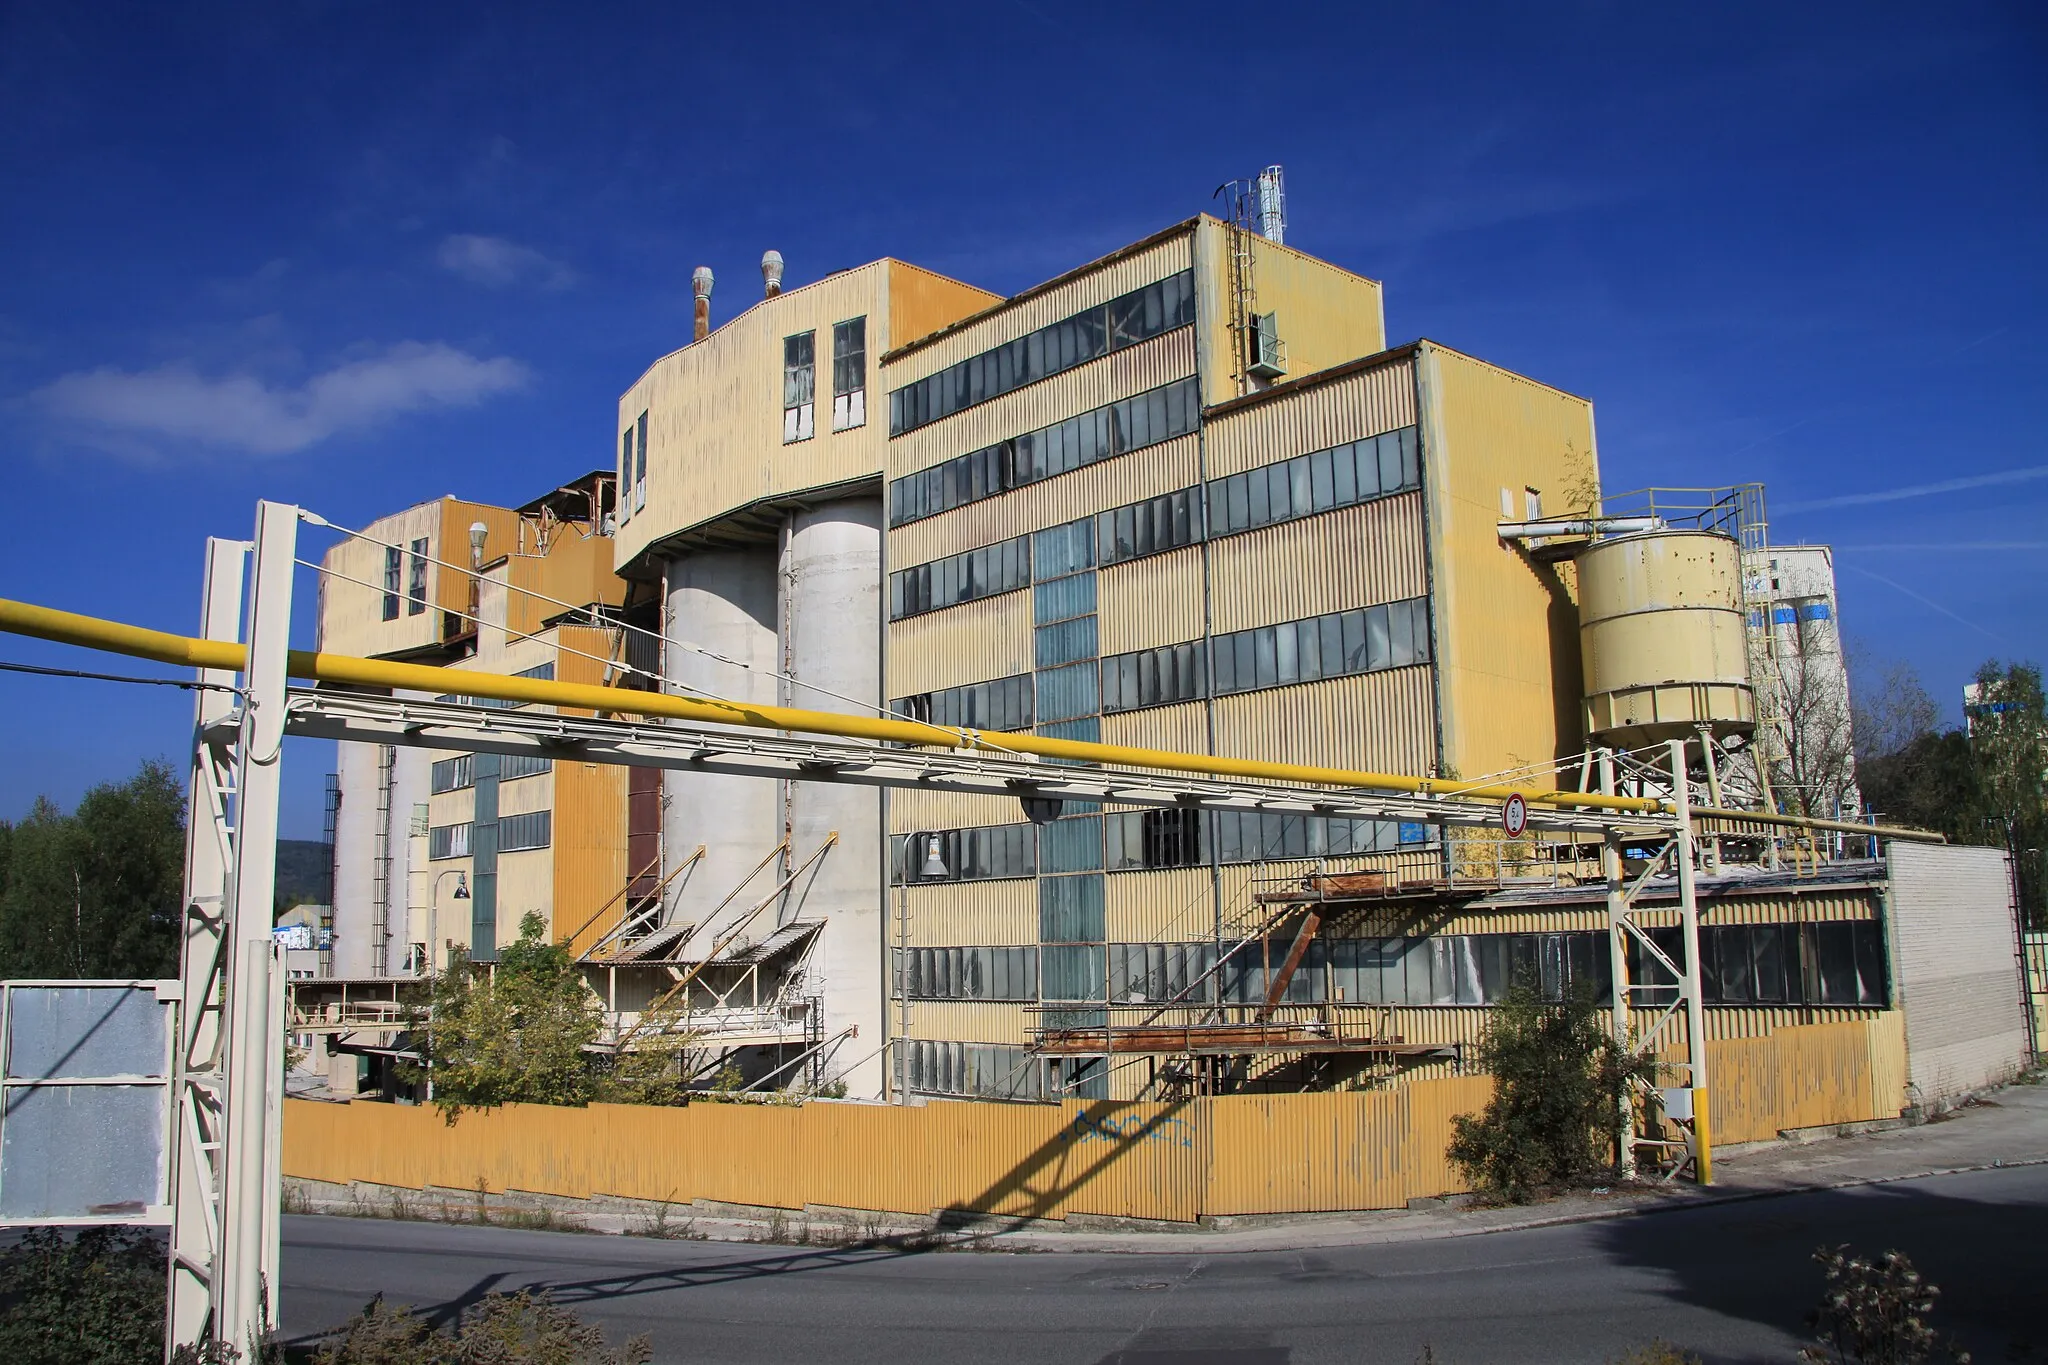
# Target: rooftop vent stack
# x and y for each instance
(771, 273)
(700, 285)
(1272, 205)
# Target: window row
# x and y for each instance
(977, 973)
(1318, 482)
(979, 853)
(452, 774)
(448, 841)
(1116, 429)
(988, 1070)
(1333, 646)
(512, 766)
(544, 672)
(1151, 527)
(960, 578)
(1125, 321)
(534, 829)
(1136, 840)
(455, 774)
(1839, 963)
(1177, 838)
(1003, 704)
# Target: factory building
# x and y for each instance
(1184, 497)
(526, 590)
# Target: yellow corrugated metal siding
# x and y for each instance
(1181, 728)
(1374, 400)
(351, 616)
(1355, 557)
(973, 642)
(911, 809)
(1378, 721)
(1506, 626)
(968, 1021)
(1172, 906)
(1152, 601)
(959, 914)
(922, 301)
(1326, 315)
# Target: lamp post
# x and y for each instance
(933, 866)
(434, 915)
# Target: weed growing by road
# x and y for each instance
(502, 1329)
(1874, 1313)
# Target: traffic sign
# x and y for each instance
(1514, 815)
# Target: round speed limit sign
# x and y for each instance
(1514, 815)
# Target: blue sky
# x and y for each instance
(356, 256)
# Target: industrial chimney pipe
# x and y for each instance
(700, 285)
(771, 273)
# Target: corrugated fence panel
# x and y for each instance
(1236, 1155)
(1152, 601)
(1799, 1077)
(1363, 404)
(1335, 561)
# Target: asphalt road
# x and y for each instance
(1732, 1282)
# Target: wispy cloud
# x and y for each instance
(245, 413)
(1943, 547)
(1930, 603)
(496, 263)
(1919, 490)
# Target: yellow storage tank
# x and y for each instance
(1661, 637)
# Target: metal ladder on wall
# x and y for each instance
(380, 865)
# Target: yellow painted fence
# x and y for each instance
(1235, 1155)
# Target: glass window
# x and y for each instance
(1390, 462)
(1321, 482)
(849, 374)
(1071, 845)
(1366, 456)
(1066, 642)
(416, 582)
(640, 463)
(1064, 693)
(1379, 651)
(394, 566)
(1063, 598)
(799, 383)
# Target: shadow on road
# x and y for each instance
(1753, 1260)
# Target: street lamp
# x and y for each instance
(433, 944)
(933, 866)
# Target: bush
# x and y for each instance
(503, 1329)
(1555, 1113)
(96, 1299)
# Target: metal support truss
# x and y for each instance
(1677, 850)
(226, 1126)
(374, 719)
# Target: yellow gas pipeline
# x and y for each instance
(91, 632)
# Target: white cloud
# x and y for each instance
(244, 412)
(496, 263)
(1920, 490)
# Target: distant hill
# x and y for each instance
(305, 872)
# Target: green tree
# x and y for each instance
(526, 1033)
(1986, 785)
(516, 1035)
(1555, 1113)
(96, 893)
